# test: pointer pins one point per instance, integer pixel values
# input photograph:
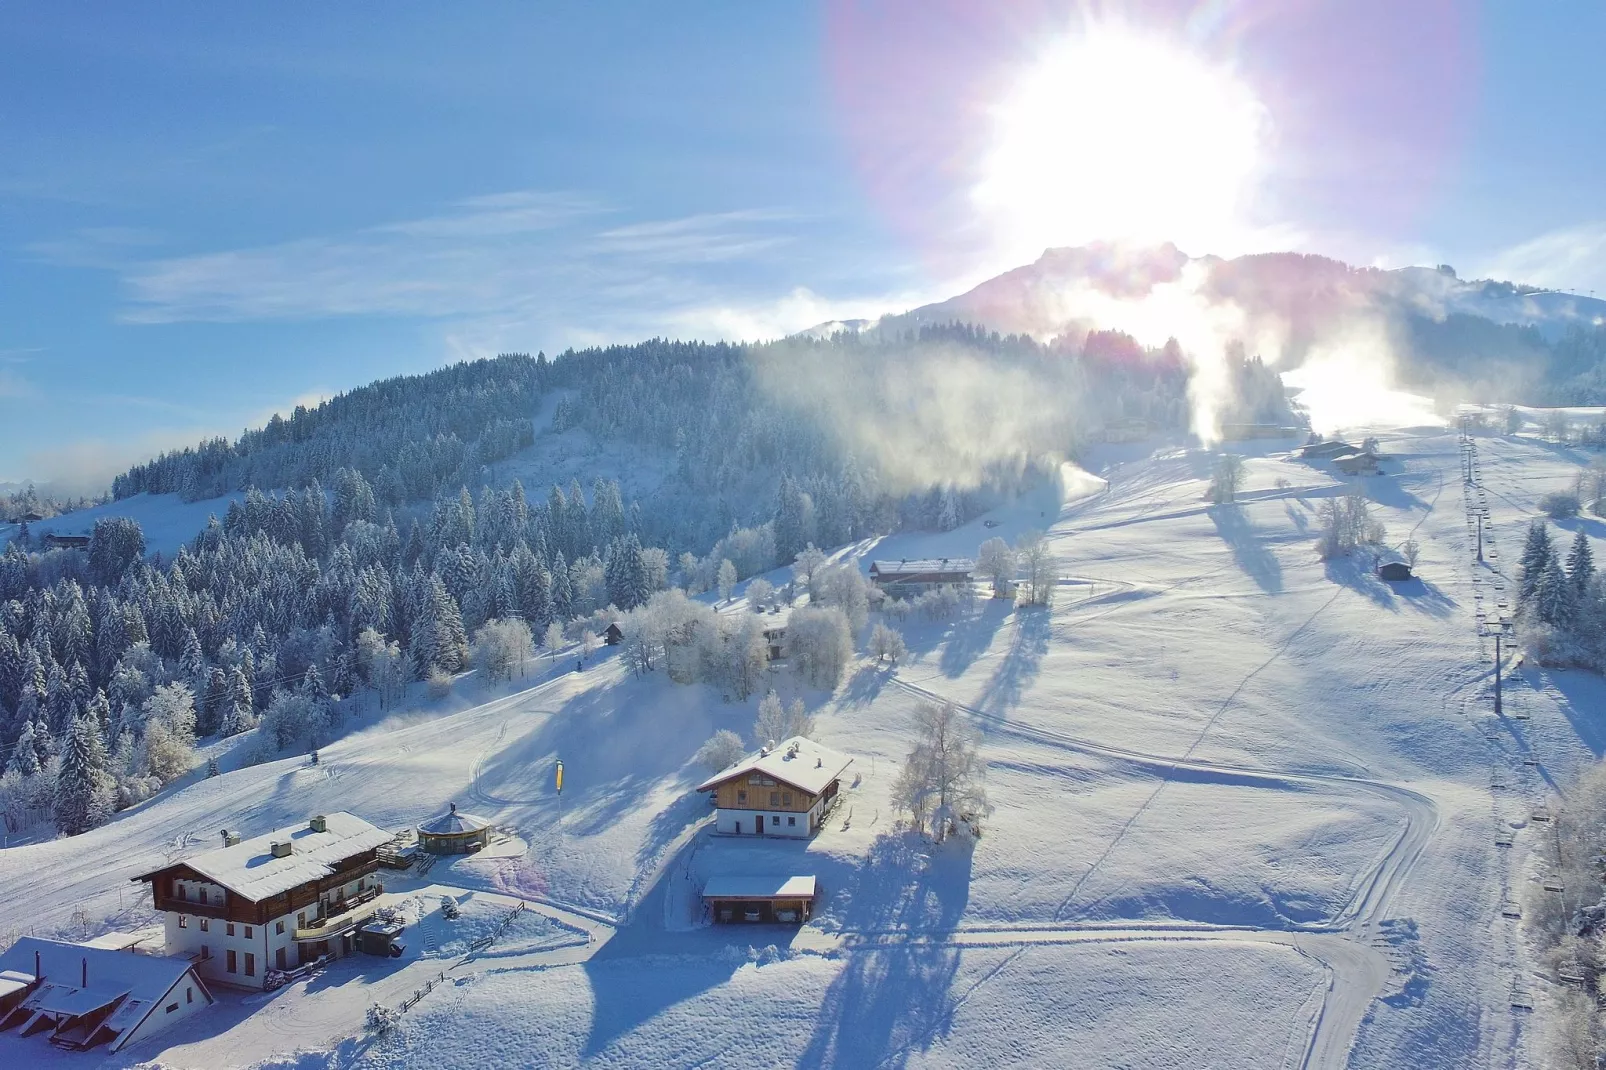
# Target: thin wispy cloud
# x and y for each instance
(1572, 258)
(535, 255)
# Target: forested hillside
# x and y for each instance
(374, 541)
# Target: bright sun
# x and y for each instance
(1110, 135)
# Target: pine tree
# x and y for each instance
(24, 756)
(84, 788)
(1536, 556)
(1554, 598)
(1580, 562)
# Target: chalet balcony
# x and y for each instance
(343, 916)
(212, 909)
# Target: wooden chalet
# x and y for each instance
(273, 901)
(52, 541)
(916, 576)
(782, 790)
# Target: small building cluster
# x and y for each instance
(1351, 460)
(905, 578)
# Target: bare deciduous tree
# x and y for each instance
(941, 785)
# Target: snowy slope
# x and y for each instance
(1243, 818)
(167, 520)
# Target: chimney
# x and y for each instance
(282, 848)
(85, 982)
(819, 763)
(454, 807)
(318, 824)
(37, 976)
(226, 838)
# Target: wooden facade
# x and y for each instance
(231, 906)
(757, 791)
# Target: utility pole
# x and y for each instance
(1501, 632)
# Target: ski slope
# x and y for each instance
(1246, 816)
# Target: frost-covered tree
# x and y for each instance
(726, 579)
(1537, 553)
(886, 643)
(805, 564)
(1040, 565)
(777, 722)
(500, 647)
(1580, 562)
(842, 586)
(995, 560)
(759, 593)
(85, 790)
(439, 640)
(1226, 479)
(942, 782)
(722, 750)
(819, 645)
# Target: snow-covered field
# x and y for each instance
(1244, 819)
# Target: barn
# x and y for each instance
(1393, 570)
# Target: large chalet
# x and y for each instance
(779, 791)
(273, 901)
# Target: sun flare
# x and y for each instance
(1111, 135)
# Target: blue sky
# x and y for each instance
(208, 214)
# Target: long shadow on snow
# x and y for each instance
(1247, 549)
(1584, 705)
(890, 1002)
(971, 635)
(1020, 666)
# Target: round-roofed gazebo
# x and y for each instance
(453, 833)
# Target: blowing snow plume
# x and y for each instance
(951, 407)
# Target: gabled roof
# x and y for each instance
(799, 761)
(111, 975)
(250, 870)
(922, 566)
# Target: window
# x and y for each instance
(203, 894)
(206, 925)
(206, 952)
(179, 891)
(741, 796)
(171, 1007)
(301, 920)
(775, 798)
(250, 964)
(792, 821)
(786, 798)
(228, 929)
(278, 928)
(189, 993)
(230, 965)
(183, 921)
(248, 932)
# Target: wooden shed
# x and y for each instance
(756, 899)
(1394, 570)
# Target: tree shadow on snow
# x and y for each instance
(1020, 666)
(892, 1000)
(1583, 701)
(1247, 549)
(1356, 572)
(971, 635)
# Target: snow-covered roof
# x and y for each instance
(453, 823)
(922, 566)
(249, 868)
(746, 886)
(110, 973)
(799, 761)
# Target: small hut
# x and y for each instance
(613, 636)
(453, 833)
(1394, 570)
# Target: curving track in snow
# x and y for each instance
(1358, 971)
